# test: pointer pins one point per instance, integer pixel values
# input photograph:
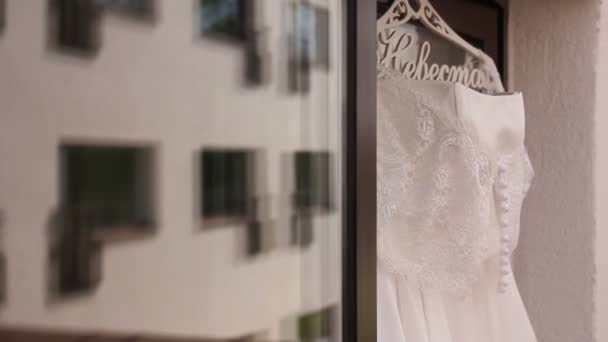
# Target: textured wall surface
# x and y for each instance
(601, 181)
(553, 63)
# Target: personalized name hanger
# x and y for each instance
(395, 53)
(398, 51)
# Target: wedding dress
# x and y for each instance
(452, 175)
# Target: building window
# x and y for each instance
(313, 181)
(227, 184)
(137, 9)
(226, 18)
(2, 15)
(308, 44)
(311, 30)
(312, 194)
(110, 188)
(75, 25)
(317, 326)
(75, 255)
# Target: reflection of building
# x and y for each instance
(2, 15)
(163, 88)
(227, 17)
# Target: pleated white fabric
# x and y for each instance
(449, 279)
(408, 314)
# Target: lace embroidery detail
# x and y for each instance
(435, 188)
(433, 192)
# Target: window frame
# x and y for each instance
(227, 219)
(245, 16)
(304, 202)
(2, 16)
(117, 233)
(359, 230)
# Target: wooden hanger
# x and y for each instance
(402, 11)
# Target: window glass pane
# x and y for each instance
(172, 170)
(74, 25)
(228, 181)
(2, 15)
(111, 185)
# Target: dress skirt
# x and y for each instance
(408, 314)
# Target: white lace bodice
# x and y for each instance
(452, 175)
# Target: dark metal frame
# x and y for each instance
(359, 273)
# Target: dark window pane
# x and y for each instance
(134, 8)
(313, 180)
(226, 184)
(318, 325)
(111, 185)
(76, 24)
(2, 15)
(75, 255)
(229, 18)
(165, 210)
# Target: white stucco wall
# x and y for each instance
(553, 45)
(160, 84)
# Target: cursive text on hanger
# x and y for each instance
(392, 54)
